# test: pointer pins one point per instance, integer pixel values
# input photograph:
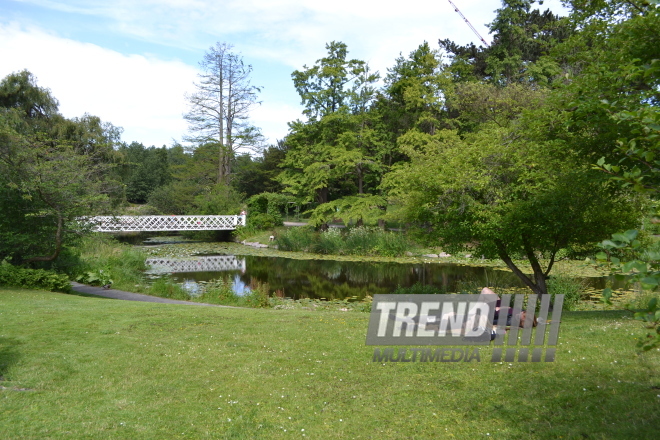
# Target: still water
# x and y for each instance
(335, 279)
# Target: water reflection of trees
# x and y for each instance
(344, 279)
(333, 279)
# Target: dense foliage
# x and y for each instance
(494, 149)
(12, 276)
(504, 150)
(52, 171)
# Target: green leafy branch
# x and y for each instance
(646, 273)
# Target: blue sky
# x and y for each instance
(131, 62)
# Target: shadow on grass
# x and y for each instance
(563, 405)
(9, 355)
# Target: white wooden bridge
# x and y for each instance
(144, 223)
(216, 263)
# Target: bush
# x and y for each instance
(173, 198)
(165, 288)
(220, 199)
(571, 288)
(419, 289)
(363, 240)
(267, 203)
(104, 259)
(329, 242)
(98, 277)
(33, 278)
(391, 244)
(220, 291)
(258, 296)
(642, 299)
(296, 239)
(260, 221)
(360, 240)
(243, 232)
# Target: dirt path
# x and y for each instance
(129, 296)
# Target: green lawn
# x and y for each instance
(77, 367)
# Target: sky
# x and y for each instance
(131, 62)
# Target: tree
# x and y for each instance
(144, 170)
(522, 39)
(254, 175)
(19, 91)
(500, 193)
(323, 87)
(329, 155)
(47, 179)
(221, 105)
(614, 105)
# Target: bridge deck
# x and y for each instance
(146, 223)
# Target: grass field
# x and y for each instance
(86, 368)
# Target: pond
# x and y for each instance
(331, 279)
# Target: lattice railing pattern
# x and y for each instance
(216, 263)
(126, 223)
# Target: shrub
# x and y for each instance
(121, 264)
(361, 240)
(296, 239)
(258, 296)
(329, 242)
(220, 291)
(391, 244)
(419, 289)
(98, 277)
(243, 232)
(165, 288)
(33, 278)
(260, 221)
(642, 299)
(571, 288)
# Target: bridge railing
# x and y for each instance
(216, 263)
(144, 223)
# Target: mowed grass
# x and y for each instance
(90, 368)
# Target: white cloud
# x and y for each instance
(272, 118)
(143, 95)
(292, 31)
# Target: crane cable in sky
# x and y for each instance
(468, 23)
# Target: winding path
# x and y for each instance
(129, 296)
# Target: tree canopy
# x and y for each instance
(52, 170)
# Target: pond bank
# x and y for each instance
(130, 296)
(183, 250)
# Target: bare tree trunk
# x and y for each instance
(221, 117)
(220, 107)
(538, 286)
(539, 274)
(360, 175)
(58, 242)
(322, 195)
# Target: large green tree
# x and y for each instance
(143, 170)
(52, 171)
(332, 153)
(522, 40)
(502, 194)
